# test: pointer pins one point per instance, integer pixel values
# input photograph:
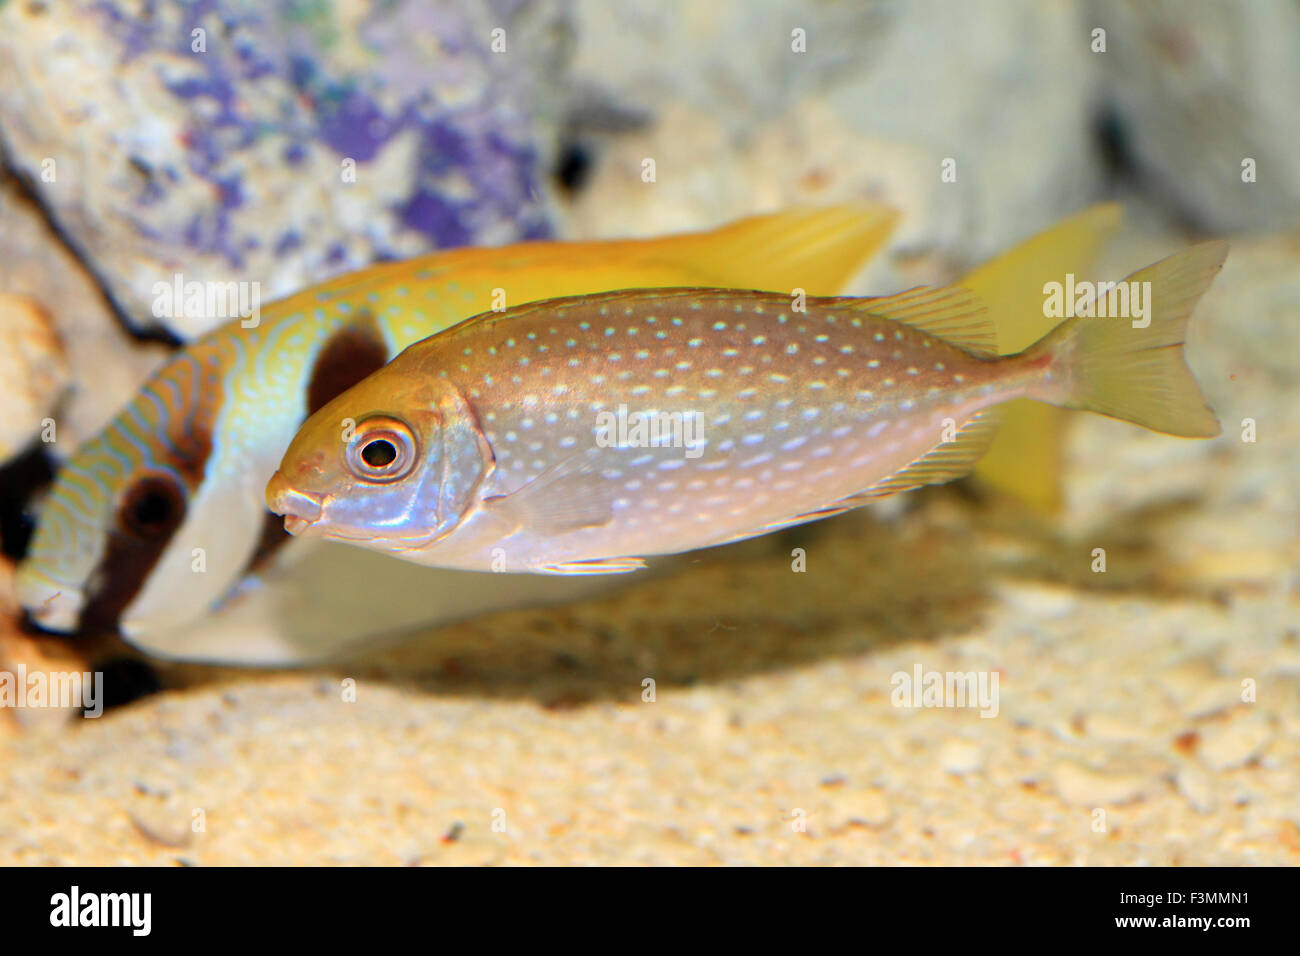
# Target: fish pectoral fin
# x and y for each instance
(601, 566)
(953, 314)
(567, 497)
(944, 462)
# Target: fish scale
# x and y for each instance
(802, 405)
(510, 442)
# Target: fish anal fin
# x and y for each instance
(953, 314)
(944, 462)
(601, 566)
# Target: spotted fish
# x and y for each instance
(161, 517)
(577, 436)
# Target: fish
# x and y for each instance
(158, 523)
(581, 435)
(1025, 459)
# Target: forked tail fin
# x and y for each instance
(1135, 371)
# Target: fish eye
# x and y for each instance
(378, 452)
(381, 449)
(152, 507)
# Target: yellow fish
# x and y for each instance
(161, 517)
(577, 435)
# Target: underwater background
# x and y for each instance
(738, 706)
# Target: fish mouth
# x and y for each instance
(301, 511)
(51, 605)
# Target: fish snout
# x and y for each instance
(300, 509)
(51, 606)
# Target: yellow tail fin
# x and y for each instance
(1133, 368)
(1025, 459)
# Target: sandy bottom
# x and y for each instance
(1145, 714)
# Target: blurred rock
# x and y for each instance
(25, 661)
(106, 363)
(217, 140)
(1198, 87)
(870, 108)
(32, 372)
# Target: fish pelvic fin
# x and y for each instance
(1135, 370)
(599, 566)
(815, 249)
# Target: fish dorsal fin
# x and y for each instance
(816, 249)
(944, 462)
(953, 314)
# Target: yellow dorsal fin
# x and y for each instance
(944, 462)
(952, 313)
(818, 250)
